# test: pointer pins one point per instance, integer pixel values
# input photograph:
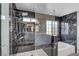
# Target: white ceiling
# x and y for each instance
(47, 8)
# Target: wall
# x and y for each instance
(69, 28)
(5, 29)
(78, 31)
(0, 29)
(42, 21)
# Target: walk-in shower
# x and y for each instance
(33, 33)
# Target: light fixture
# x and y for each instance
(25, 14)
(3, 17)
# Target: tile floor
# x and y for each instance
(32, 53)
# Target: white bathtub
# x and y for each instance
(65, 49)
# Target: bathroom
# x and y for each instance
(39, 34)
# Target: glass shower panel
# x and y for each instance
(44, 38)
(25, 38)
(22, 36)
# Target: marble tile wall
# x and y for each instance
(69, 28)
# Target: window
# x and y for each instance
(64, 28)
(25, 19)
(48, 28)
(30, 24)
(52, 27)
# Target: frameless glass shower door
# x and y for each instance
(47, 35)
(22, 36)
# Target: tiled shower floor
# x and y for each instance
(47, 50)
(38, 52)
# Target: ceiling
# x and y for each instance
(48, 8)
